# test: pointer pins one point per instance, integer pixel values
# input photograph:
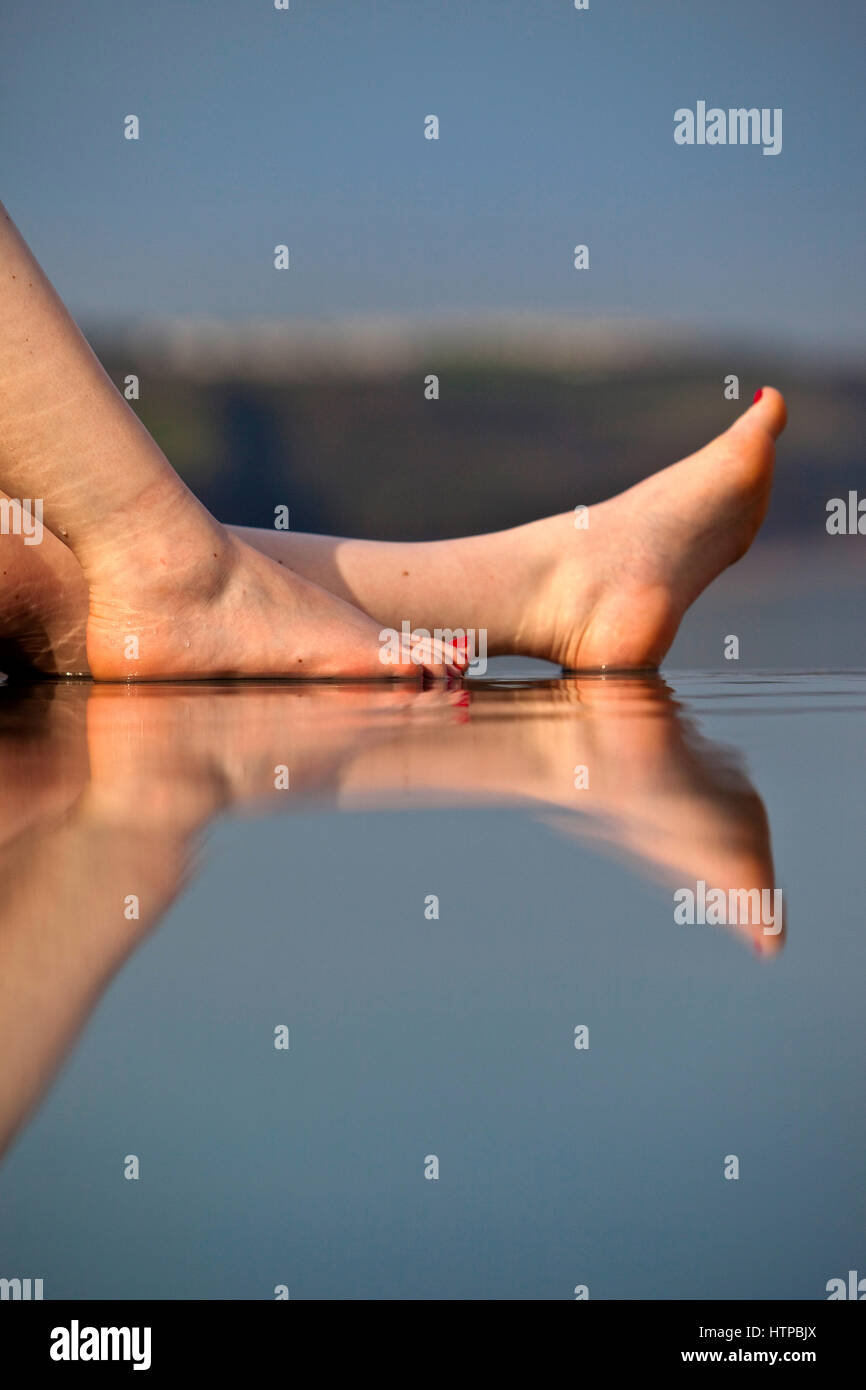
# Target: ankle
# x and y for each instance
(538, 553)
(167, 539)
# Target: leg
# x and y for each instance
(610, 595)
(171, 593)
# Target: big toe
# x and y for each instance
(767, 413)
(746, 451)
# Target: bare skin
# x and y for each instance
(171, 593)
(611, 595)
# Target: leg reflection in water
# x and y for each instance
(122, 782)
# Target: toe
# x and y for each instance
(749, 448)
(767, 411)
(439, 659)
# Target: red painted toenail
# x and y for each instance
(757, 396)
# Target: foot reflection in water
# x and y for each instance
(106, 792)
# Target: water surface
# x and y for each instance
(553, 820)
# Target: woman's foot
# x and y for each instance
(613, 595)
(170, 593)
(185, 599)
(202, 605)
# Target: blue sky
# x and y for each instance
(305, 126)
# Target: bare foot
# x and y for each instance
(181, 598)
(614, 594)
(170, 594)
(50, 618)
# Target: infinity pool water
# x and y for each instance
(370, 992)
